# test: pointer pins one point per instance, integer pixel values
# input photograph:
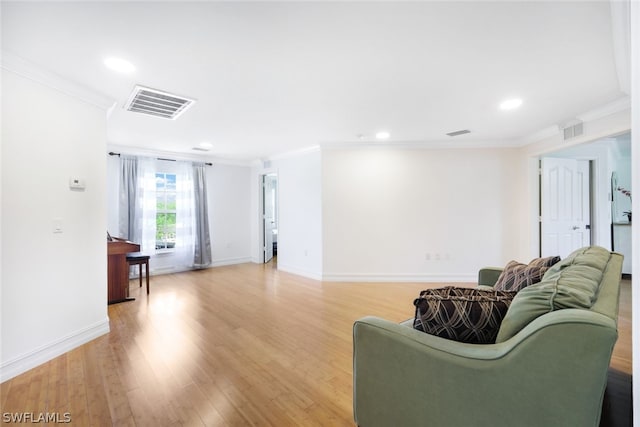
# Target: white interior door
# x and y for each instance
(565, 201)
(268, 210)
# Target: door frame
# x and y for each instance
(261, 237)
(600, 197)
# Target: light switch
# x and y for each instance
(57, 225)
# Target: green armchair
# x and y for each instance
(551, 372)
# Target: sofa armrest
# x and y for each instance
(406, 377)
(488, 276)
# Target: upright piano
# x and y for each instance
(118, 268)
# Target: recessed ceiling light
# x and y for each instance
(383, 135)
(510, 104)
(120, 65)
(206, 145)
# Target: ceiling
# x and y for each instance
(275, 77)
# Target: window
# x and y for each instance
(165, 211)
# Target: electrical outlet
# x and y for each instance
(427, 256)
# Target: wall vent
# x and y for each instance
(573, 131)
(459, 132)
(157, 103)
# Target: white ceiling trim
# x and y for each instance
(293, 153)
(419, 145)
(137, 151)
(620, 104)
(614, 107)
(20, 66)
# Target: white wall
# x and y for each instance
(418, 214)
(229, 197)
(229, 202)
(300, 219)
(300, 212)
(54, 286)
(113, 189)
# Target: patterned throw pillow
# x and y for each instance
(516, 276)
(462, 314)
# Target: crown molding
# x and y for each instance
(147, 152)
(621, 104)
(22, 67)
(294, 153)
(419, 145)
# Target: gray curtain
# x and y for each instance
(202, 241)
(128, 197)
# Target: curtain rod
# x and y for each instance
(111, 153)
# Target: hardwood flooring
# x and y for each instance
(238, 345)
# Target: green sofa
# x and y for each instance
(548, 366)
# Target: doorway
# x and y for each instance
(270, 217)
(610, 183)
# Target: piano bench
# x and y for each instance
(139, 259)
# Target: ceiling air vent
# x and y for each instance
(573, 130)
(157, 103)
(459, 132)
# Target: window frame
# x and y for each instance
(163, 195)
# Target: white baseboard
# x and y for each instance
(299, 272)
(420, 278)
(30, 360)
(167, 269)
(230, 261)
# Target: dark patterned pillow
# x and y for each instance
(516, 276)
(462, 314)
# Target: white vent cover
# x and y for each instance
(157, 103)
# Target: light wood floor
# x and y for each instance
(238, 345)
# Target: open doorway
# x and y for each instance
(621, 190)
(270, 217)
(609, 161)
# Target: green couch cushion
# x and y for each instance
(571, 283)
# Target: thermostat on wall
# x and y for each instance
(76, 184)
